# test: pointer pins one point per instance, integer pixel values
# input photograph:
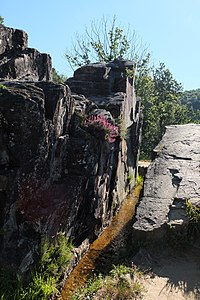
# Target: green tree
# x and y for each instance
(159, 91)
(167, 92)
(58, 78)
(191, 99)
(160, 94)
(1, 20)
(104, 41)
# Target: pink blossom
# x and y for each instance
(99, 122)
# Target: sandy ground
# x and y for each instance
(174, 274)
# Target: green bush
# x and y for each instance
(121, 283)
(193, 213)
(139, 180)
(54, 258)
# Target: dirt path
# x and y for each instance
(175, 274)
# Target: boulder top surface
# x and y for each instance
(172, 178)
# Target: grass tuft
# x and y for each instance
(121, 283)
(54, 258)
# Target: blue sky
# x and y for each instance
(170, 28)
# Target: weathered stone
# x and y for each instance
(172, 177)
(28, 137)
(12, 39)
(60, 177)
(55, 174)
(101, 78)
(17, 61)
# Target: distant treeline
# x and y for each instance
(163, 102)
(192, 99)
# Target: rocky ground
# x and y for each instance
(171, 274)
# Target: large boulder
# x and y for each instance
(172, 178)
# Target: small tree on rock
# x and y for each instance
(105, 41)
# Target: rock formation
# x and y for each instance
(17, 61)
(55, 173)
(172, 178)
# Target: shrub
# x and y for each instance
(193, 213)
(139, 180)
(2, 87)
(54, 258)
(100, 127)
(121, 283)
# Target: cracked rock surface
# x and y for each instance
(56, 174)
(172, 178)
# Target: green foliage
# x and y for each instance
(130, 178)
(163, 101)
(130, 73)
(1, 20)
(41, 287)
(139, 180)
(193, 213)
(2, 87)
(160, 94)
(90, 289)
(54, 258)
(104, 42)
(58, 78)
(185, 236)
(121, 283)
(121, 270)
(191, 99)
(123, 130)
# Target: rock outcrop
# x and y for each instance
(17, 61)
(56, 174)
(172, 178)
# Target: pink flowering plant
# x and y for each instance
(99, 126)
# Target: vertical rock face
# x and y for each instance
(172, 178)
(111, 91)
(101, 78)
(56, 174)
